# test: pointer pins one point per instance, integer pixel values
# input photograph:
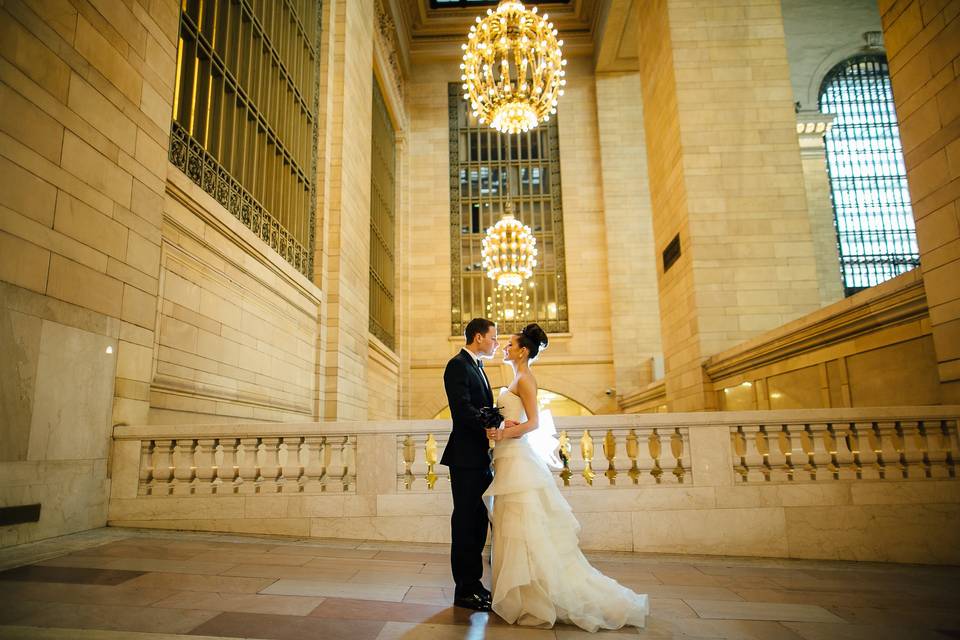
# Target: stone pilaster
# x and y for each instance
(631, 261)
(726, 178)
(812, 127)
(923, 49)
(344, 205)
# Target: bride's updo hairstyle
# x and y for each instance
(534, 339)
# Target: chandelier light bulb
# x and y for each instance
(513, 67)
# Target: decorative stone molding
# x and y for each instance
(874, 40)
(650, 399)
(812, 127)
(386, 39)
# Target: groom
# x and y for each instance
(468, 455)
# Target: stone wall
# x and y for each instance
(872, 349)
(85, 95)
(923, 43)
(128, 294)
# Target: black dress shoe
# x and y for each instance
(473, 601)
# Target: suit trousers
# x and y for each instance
(468, 526)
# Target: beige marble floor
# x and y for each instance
(114, 584)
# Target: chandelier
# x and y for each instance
(512, 69)
(509, 251)
(506, 304)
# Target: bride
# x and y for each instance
(539, 574)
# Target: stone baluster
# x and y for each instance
(808, 443)
(763, 449)
(334, 463)
(564, 453)
(246, 481)
(206, 469)
(408, 456)
(885, 450)
(753, 460)
(312, 463)
(430, 455)
(610, 453)
(183, 466)
(851, 440)
(844, 457)
(829, 440)
(785, 446)
(949, 446)
(145, 472)
(913, 454)
(291, 469)
(267, 481)
(633, 452)
(738, 448)
(326, 463)
(162, 468)
(899, 464)
(586, 451)
(776, 453)
(655, 447)
(349, 459)
(678, 449)
(868, 443)
(226, 460)
(933, 440)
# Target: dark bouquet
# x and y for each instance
(490, 417)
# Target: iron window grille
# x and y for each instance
(874, 221)
(244, 123)
(382, 222)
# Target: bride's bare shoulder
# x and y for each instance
(526, 383)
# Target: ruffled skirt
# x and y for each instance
(540, 576)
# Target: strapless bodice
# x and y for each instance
(512, 406)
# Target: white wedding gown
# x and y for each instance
(540, 575)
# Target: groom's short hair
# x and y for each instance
(475, 326)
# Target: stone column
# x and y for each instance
(812, 127)
(343, 263)
(923, 49)
(725, 178)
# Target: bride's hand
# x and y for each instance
(495, 434)
(510, 423)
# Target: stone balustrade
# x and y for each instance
(877, 484)
(247, 465)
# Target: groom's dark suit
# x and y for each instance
(468, 455)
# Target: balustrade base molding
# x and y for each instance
(874, 484)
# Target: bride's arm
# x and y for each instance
(527, 390)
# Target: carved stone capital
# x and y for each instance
(812, 126)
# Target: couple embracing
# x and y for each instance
(540, 575)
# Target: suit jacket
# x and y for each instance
(466, 393)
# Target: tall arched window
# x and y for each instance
(868, 181)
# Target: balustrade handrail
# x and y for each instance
(610, 421)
